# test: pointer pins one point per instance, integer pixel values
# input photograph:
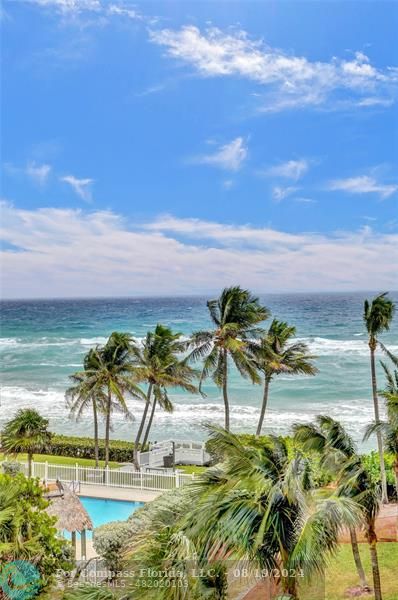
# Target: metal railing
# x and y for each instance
(107, 477)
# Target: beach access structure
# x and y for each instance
(168, 453)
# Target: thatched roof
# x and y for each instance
(70, 512)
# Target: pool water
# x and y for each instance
(103, 510)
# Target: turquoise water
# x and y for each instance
(103, 511)
(43, 342)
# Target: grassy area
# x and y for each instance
(342, 575)
(189, 469)
(87, 462)
(60, 460)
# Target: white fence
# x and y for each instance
(109, 477)
(181, 452)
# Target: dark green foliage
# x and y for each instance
(27, 532)
(83, 447)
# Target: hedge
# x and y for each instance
(83, 447)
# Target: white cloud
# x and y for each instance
(279, 193)
(65, 252)
(82, 187)
(292, 169)
(103, 8)
(363, 184)
(38, 173)
(69, 6)
(287, 81)
(229, 156)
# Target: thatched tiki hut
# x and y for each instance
(71, 516)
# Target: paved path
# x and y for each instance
(115, 493)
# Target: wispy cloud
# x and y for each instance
(102, 8)
(38, 173)
(229, 156)
(292, 169)
(286, 81)
(174, 256)
(279, 193)
(82, 187)
(69, 6)
(364, 184)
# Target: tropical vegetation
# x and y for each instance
(377, 316)
(26, 432)
(27, 532)
(236, 316)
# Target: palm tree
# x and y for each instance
(84, 394)
(338, 450)
(377, 316)
(275, 355)
(26, 432)
(328, 438)
(389, 428)
(356, 483)
(258, 505)
(110, 370)
(157, 362)
(235, 315)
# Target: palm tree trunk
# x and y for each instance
(289, 586)
(372, 538)
(141, 427)
(395, 467)
(225, 388)
(30, 460)
(377, 420)
(107, 427)
(148, 429)
(357, 559)
(96, 450)
(263, 406)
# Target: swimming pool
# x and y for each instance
(103, 510)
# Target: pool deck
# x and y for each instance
(115, 493)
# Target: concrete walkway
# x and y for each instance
(115, 493)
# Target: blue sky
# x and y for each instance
(156, 148)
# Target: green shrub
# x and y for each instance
(109, 540)
(83, 447)
(11, 467)
(27, 532)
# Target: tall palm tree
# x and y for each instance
(111, 371)
(328, 438)
(377, 316)
(158, 363)
(389, 428)
(26, 432)
(276, 355)
(235, 316)
(85, 394)
(258, 504)
(338, 450)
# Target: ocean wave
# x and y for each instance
(187, 418)
(324, 346)
(92, 341)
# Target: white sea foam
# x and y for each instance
(188, 417)
(92, 341)
(324, 346)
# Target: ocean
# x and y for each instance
(43, 341)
